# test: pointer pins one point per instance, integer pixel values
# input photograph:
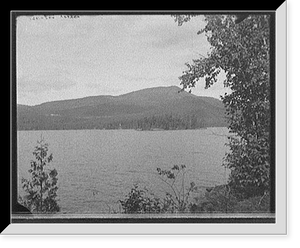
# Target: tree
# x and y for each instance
(41, 188)
(242, 52)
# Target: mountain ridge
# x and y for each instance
(104, 111)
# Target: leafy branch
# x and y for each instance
(180, 197)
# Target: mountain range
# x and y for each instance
(146, 109)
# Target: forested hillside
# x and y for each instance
(156, 108)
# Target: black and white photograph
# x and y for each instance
(144, 117)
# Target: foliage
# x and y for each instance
(164, 122)
(41, 188)
(220, 199)
(180, 19)
(217, 199)
(256, 204)
(179, 196)
(139, 201)
(242, 52)
(177, 200)
(169, 122)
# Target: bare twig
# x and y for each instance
(171, 186)
(265, 193)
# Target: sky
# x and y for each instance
(61, 58)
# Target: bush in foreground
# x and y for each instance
(41, 187)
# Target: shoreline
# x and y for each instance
(125, 129)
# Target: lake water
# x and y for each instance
(96, 168)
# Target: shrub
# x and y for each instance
(177, 200)
(139, 201)
(257, 204)
(220, 199)
(216, 199)
(41, 187)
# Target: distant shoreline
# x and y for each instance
(149, 130)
